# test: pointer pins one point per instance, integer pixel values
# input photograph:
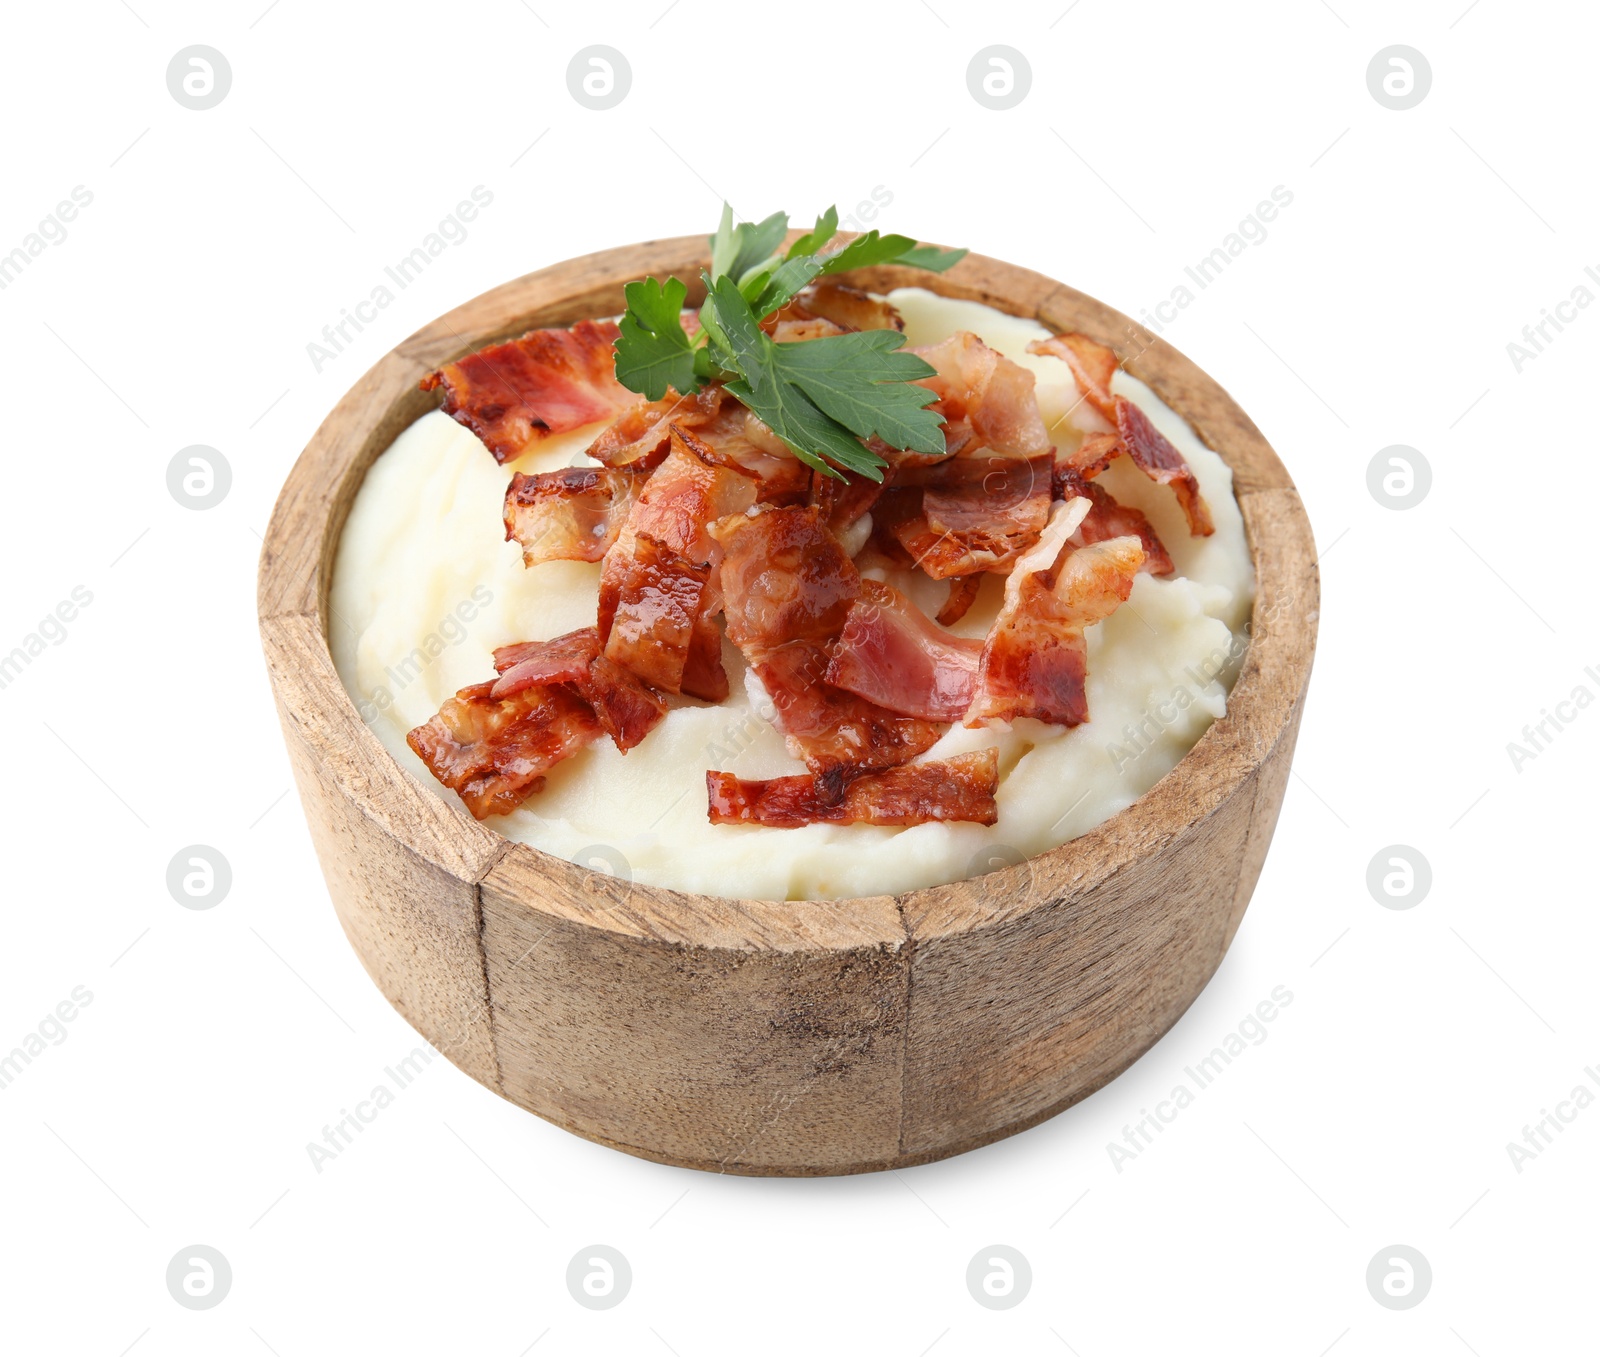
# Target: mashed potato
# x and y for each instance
(426, 586)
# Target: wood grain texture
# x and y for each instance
(773, 1037)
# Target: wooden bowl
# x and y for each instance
(771, 1037)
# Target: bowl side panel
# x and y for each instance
(1076, 974)
(732, 1060)
(1277, 667)
(1011, 1023)
(1268, 785)
(410, 912)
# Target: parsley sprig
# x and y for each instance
(822, 397)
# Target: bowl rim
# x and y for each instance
(302, 539)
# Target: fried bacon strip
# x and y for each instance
(845, 502)
(1093, 365)
(626, 708)
(848, 307)
(686, 493)
(1034, 659)
(1107, 519)
(738, 439)
(901, 531)
(968, 514)
(572, 514)
(785, 578)
(847, 498)
(893, 654)
(549, 381)
(985, 400)
(563, 659)
(793, 324)
(493, 753)
(959, 788)
(788, 590)
(829, 307)
(659, 600)
(991, 503)
(639, 437)
(1092, 456)
(1163, 463)
(829, 727)
(657, 594)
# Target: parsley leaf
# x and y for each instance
(779, 287)
(652, 351)
(809, 433)
(819, 235)
(865, 381)
(873, 248)
(736, 250)
(930, 257)
(822, 396)
(867, 249)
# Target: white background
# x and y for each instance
(1376, 312)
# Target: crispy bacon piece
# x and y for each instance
(830, 727)
(549, 381)
(573, 514)
(784, 578)
(830, 307)
(963, 594)
(493, 753)
(1107, 519)
(988, 501)
(794, 329)
(1090, 583)
(968, 514)
(657, 605)
(627, 710)
(1040, 676)
(895, 655)
(563, 659)
(738, 439)
(639, 436)
(688, 491)
(1093, 366)
(848, 306)
(1144, 445)
(985, 400)
(1163, 463)
(794, 321)
(1034, 660)
(826, 308)
(960, 788)
(1092, 456)
(704, 674)
(900, 529)
(844, 502)
(788, 589)
(683, 494)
